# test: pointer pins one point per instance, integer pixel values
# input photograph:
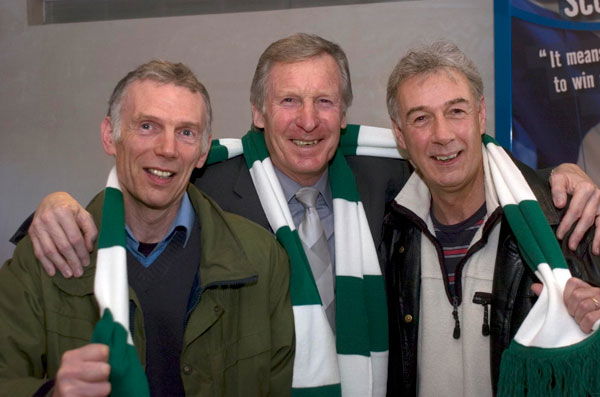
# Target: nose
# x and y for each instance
(308, 117)
(166, 145)
(442, 131)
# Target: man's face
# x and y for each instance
(160, 144)
(441, 124)
(302, 116)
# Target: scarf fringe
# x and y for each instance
(568, 371)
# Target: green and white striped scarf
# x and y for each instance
(550, 355)
(111, 289)
(354, 362)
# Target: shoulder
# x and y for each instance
(380, 168)
(253, 239)
(227, 170)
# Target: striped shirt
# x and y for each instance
(455, 241)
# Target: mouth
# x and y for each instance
(159, 173)
(302, 143)
(446, 158)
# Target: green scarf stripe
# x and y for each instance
(374, 288)
(527, 243)
(321, 391)
(303, 290)
(217, 153)
(543, 233)
(352, 337)
(113, 218)
(349, 139)
(344, 184)
(254, 141)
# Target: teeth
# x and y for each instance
(446, 158)
(162, 174)
(304, 143)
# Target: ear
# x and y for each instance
(204, 155)
(343, 122)
(482, 116)
(106, 135)
(257, 117)
(399, 135)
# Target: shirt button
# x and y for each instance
(187, 369)
(408, 319)
(401, 249)
(217, 308)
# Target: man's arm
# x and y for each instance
(63, 233)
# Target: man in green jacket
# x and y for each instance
(208, 290)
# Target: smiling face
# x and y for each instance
(302, 117)
(440, 126)
(160, 143)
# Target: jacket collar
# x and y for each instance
(223, 258)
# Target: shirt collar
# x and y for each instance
(184, 220)
(291, 187)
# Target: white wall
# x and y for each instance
(55, 80)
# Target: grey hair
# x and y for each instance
(428, 59)
(295, 48)
(163, 72)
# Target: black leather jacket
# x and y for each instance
(511, 295)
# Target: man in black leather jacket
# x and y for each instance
(458, 288)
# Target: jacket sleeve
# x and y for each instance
(22, 336)
(282, 324)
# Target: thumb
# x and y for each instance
(537, 288)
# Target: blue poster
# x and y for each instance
(548, 81)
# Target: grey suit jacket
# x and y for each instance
(378, 179)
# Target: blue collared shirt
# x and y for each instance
(183, 223)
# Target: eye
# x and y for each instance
(419, 120)
(146, 126)
(457, 113)
(187, 132)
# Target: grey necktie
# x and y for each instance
(317, 251)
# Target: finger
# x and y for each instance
(587, 219)
(558, 188)
(37, 250)
(588, 321)
(577, 297)
(46, 252)
(596, 241)
(75, 387)
(588, 312)
(72, 246)
(573, 212)
(90, 233)
(537, 288)
(89, 352)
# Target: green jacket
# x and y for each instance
(238, 339)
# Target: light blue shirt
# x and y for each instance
(324, 205)
(183, 223)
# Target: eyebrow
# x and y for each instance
(448, 103)
(188, 124)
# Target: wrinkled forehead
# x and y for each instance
(410, 87)
(322, 66)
